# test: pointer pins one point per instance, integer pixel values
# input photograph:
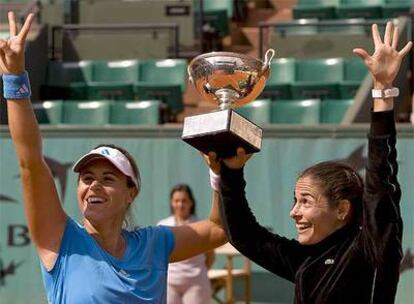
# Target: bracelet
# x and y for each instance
(214, 181)
(16, 86)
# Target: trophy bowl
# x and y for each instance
(228, 80)
(240, 78)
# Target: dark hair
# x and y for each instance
(338, 181)
(131, 160)
(184, 188)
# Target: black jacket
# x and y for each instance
(355, 264)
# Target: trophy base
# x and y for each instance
(222, 132)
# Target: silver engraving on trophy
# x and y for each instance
(228, 80)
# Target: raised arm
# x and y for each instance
(271, 251)
(45, 216)
(382, 218)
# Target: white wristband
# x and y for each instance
(387, 93)
(214, 181)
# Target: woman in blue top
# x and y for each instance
(98, 261)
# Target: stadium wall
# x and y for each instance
(165, 160)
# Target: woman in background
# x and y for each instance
(188, 282)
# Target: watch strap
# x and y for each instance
(386, 93)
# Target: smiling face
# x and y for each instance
(181, 205)
(103, 194)
(313, 216)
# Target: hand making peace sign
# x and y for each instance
(12, 49)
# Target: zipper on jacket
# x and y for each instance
(373, 286)
(390, 166)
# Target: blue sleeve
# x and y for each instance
(70, 232)
(169, 238)
(53, 276)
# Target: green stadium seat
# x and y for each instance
(333, 110)
(282, 74)
(257, 111)
(170, 95)
(395, 8)
(116, 71)
(320, 9)
(369, 9)
(217, 13)
(136, 112)
(163, 80)
(67, 80)
(213, 5)
(305, 111)
(113, 80)
(317, 78)
(77, 71)
(86, 112)
(354, 73)
(168, 71)
(48, 112)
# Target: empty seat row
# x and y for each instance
(98, 112)
(262, 111)
(163, 80)
(333, 78)
(330, 9)
(307, 111)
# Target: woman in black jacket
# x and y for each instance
(348, 248)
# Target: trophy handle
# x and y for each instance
(270, 53)
(190, 78)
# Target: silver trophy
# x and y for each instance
(228, 80)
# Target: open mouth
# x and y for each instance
(301, 227)
(93, 200)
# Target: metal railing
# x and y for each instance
(170, 27)
(282, 27)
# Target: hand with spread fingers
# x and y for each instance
(12, 49)
(385, 63)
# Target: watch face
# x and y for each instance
(393, 92)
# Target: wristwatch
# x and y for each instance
(387, 93)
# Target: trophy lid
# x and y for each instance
(229, 78)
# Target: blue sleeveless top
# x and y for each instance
(85, 273)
